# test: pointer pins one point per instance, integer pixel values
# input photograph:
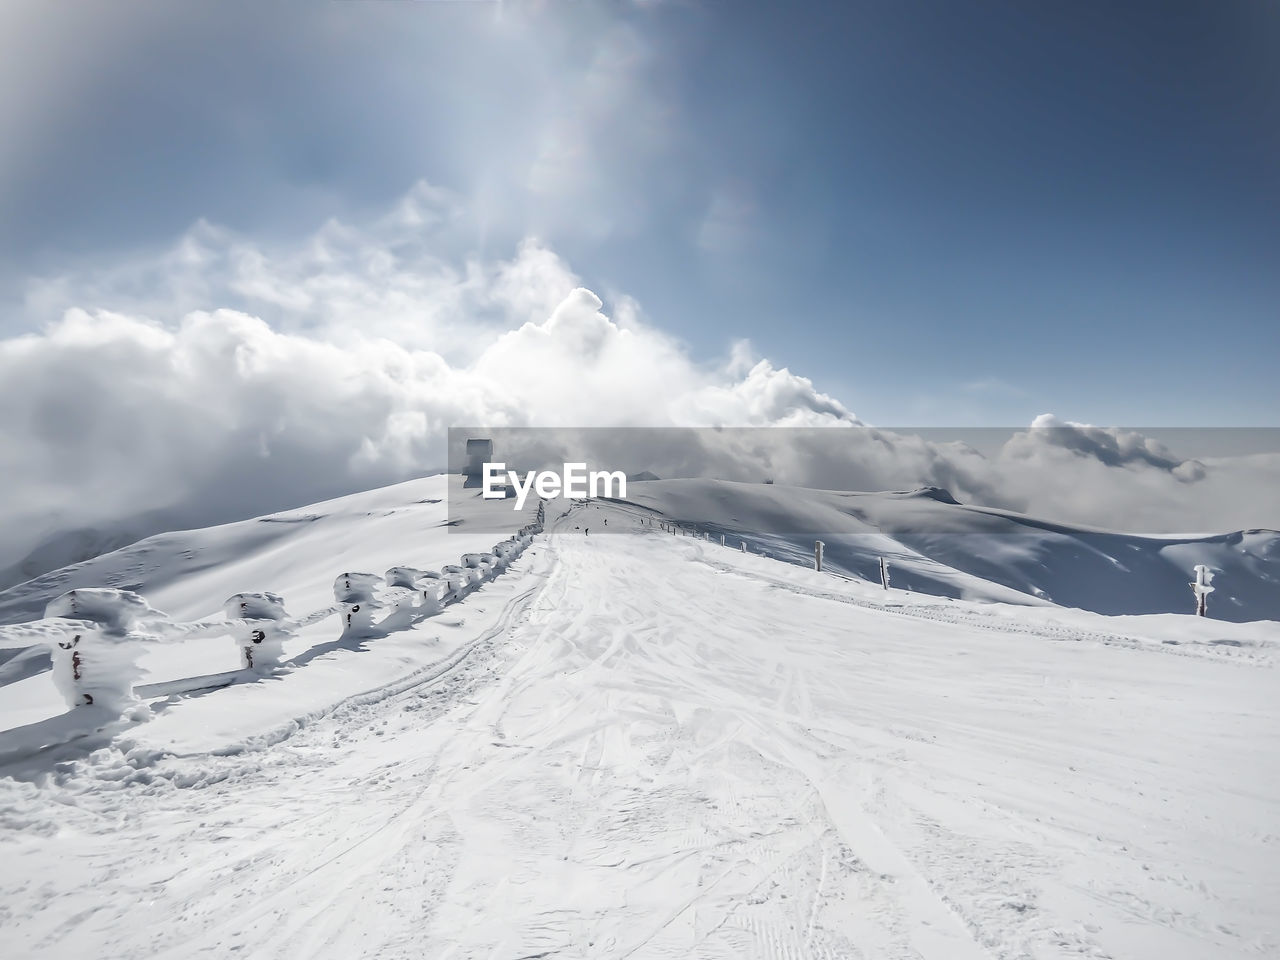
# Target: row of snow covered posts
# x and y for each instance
(818, 547)
(1201, 586)
(97, 635)
(683, 531)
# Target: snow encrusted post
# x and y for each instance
(97, 664)
(722, 539)
(503, 554)
(1201, 588)
(354, 591)
(261, 638)
(432, 588)
(424, 583)
(817, 555)
(459, 581)
(743, 545)
(482, 563)
(884, 573)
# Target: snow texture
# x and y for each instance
(646, 745)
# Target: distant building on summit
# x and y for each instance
(479, 452)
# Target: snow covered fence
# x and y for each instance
(484, 563)
(356, 593)
(259, 626)
(429, 585)
(407, 591)
(96, 636)
(96, 661)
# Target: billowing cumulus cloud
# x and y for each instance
(220, 379)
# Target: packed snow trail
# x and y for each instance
(660, 754)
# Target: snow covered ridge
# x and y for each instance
(943, 548)
(1207, 479)
(96, 636)
(639, 745)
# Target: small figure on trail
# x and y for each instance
(588, 531)
(606, 521)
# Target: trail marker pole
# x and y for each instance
(884, 573)
(1201, 588)
(817, 555)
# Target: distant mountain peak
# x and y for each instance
(941, 494)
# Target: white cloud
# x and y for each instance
(161, 383)
(220, 379)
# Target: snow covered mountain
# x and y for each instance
(936, 546)
(71, 547)
(646, 745)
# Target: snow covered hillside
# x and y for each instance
(295, 554)
(940, 547)
(645, 745)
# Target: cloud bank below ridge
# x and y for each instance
(219, 379)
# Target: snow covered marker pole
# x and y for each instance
(884, 573)
(354, 592)
(260, 631)
(817, 555)
(722, 539)
(459, 582)
(1201, 588)
(743, 545)
(426, 585)
(481, 563)
(97, 665)
(506, 552)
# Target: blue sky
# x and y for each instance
(941, 213)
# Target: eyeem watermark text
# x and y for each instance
(574, 481)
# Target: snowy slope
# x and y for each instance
(296, 553)
(940, 547)
(658, 747)
(67, 547)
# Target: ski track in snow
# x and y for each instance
(661, 754)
